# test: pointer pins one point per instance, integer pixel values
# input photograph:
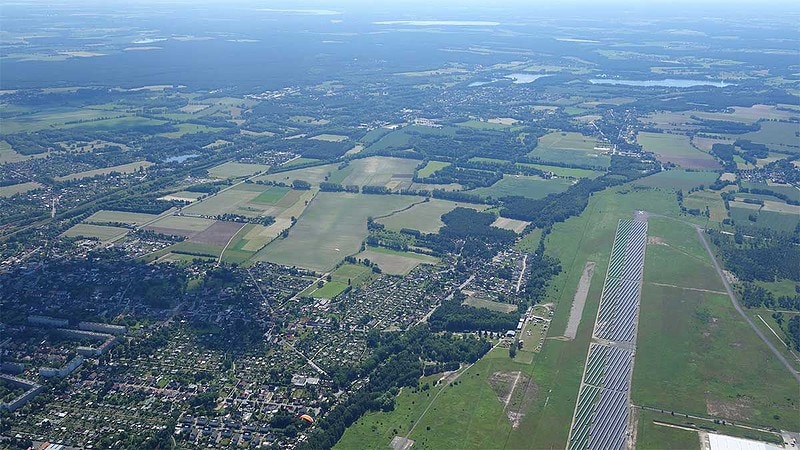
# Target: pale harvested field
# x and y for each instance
(381, 171)
(771, 205)
(503, 120)
(329, 137)
(396, 263)
(230, 201)
(425, 217)
(181, 225)
(131, 218)
(355, 150)
(256, 133)
(103, 233)
(236, 170)
(313, 175)
(8, 191)
(517, 226)
(183, 196)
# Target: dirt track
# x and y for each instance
(576, 311)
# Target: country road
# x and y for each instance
(732, 295)
(738, 307)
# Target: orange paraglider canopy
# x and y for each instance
(307, 418)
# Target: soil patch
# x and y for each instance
(217, 234)
(576, 312)
(516, 391)
(735, 409)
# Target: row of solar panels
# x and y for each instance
(601, 413)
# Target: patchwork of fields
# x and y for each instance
(677, 149)
(571, 148)
(333, 226)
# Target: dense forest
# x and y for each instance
(468, 232)
(451, 315)
(763, 255)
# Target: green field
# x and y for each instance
(785, 189)
(50, 118)
(424, 216)
(401, 138)
(678, 179)
(272, 195)
(741, 212)
(344, 276)
(779, 136)
(299, 161)
(236, 170)
(525, 186)
(330, 290)
(196, 249)
(677, 149)
(565, 171)
(395, 262)
(716, 365)
(13, 189)
(466, 414)
(651, 436)
(105, 216)
(394, 173)
(332, 227)
(250, 200)
(181, 225)
(188, 128)
(776, 332)
(431, 167)
(707, 198)
(122, 168)
(229, 201)
(570, 148)
(103, 233)
(116, 123)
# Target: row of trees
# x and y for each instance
(544, 212)
(755, 296)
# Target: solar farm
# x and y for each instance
(600, 420)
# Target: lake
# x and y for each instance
(180, 158)
(669, 82)
(524, 78)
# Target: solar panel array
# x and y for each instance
(601, 413)
(619, 303)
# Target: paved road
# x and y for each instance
(738, 307)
